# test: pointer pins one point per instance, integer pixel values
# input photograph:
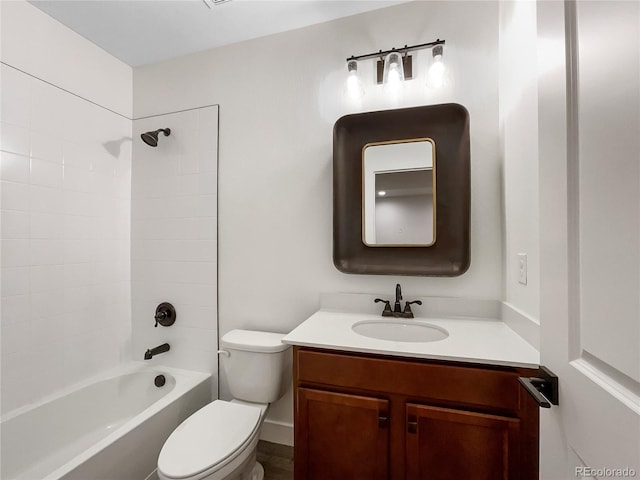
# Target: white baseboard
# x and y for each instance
(277, 432)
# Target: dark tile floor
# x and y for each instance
(277, 460)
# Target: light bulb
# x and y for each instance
(436, 76)
(393, 72)
(354, 89)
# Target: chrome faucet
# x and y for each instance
(149, 354)
(397, 311)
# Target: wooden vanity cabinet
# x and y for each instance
(366, 417)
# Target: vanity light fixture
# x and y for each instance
(437, 71)
(396, 65)
(381, 193)
(393, 74)
(353, 87)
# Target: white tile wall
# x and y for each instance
(174, 238)
(65, 311)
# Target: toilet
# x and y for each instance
(218, 442)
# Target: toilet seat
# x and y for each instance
(208, 440)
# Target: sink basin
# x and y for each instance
(400, 331)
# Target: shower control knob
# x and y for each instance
(165, 314)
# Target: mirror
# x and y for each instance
(395, 151)
(398, 193)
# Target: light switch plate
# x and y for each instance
(522, 268)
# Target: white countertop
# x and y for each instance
(472, 340)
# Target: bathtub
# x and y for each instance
(108, 428)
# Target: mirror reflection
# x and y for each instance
(399, 194)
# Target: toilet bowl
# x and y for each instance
(218, 442)
(214, 443)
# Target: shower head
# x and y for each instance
(151, 138)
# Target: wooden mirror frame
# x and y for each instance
(448, 126)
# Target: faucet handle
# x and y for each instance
(387, 307)
(165, 315)
(408, 313)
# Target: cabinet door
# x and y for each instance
(447, 444)
(339, 436)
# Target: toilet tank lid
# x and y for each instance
(254, 341)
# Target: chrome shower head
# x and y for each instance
(151, 138)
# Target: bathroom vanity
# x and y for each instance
(368, 408)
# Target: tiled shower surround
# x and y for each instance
(74, 240)
(174, 238)
(65, 204)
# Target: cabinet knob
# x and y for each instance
(383, 420)
(412, 424)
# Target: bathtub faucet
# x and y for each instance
(148, 355)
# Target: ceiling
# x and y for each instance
(140, 32)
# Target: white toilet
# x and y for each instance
(218, 442)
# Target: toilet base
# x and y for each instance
(256, 473)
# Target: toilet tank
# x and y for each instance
(258, 366)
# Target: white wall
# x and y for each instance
(65, 204)
(174, 238)
(404, 219)
(279, 97)
(519, 151)
(37, 44)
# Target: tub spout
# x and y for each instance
(148, 355)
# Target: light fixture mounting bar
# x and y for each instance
(403, 50)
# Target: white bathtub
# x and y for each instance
(108, 428)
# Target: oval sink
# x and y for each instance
(400, 331)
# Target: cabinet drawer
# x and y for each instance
(482, 387)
